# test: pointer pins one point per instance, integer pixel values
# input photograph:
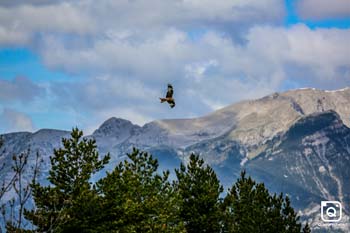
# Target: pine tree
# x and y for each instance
(199, 190)
(249, 207)
(137, 198)
(70, 203)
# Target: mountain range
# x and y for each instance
(296, 142)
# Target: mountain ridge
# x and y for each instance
(296, 142)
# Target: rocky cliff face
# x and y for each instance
(310, 163)
(296, 142)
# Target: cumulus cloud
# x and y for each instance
(19, 89)
(12, 120)
(22, 21)
(323, 9)
(208, 73)
(124, 48)
(323, 53)
(156, 13)
(198, 70)
(154, 56)
(268, 55)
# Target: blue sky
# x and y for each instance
(292, 18)
(74, 63)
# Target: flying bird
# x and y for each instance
(169, 96)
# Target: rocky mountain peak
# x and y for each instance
(114, 126)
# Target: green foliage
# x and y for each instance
(249, 207)
(73, 165)
(69, 203)
(199, 190)
(137, 198)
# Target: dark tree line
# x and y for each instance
(137, 197)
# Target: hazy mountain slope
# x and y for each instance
(42, 141)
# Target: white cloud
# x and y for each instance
(20, 89)
(268, 55)
(207, 74)
(323, 9)
(12, 120)
(9, 36)
(22, 22)
(19, 24)
(150, 56)
(319, 49)
(198, 70)
(156, 14)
